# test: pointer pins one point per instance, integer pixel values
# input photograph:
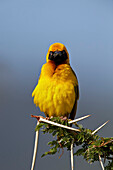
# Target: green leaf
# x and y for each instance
(40, 125)
(80, 126)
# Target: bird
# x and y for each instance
(57, 91)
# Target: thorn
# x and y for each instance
(42, 119)
(100, 160)
(99, 127)
(72, 158)
(57, 124)
(76, 120)
(35, 148)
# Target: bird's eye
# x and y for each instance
(64, 54)
(51, 53)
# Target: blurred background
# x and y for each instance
(27, 29)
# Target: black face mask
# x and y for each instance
(58, 56)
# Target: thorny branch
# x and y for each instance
(92, 145)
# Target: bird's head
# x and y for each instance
(58, 54)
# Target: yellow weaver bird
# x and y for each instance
(57, 91)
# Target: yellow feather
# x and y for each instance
(55, 93)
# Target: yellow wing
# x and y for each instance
(76, 87)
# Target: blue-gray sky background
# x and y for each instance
(27, 29)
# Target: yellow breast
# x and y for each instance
(54, 93)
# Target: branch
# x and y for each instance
(41, 119)
(93, 147)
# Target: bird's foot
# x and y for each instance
(48, 118)
(63, 118)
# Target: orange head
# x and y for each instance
(58, 54)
